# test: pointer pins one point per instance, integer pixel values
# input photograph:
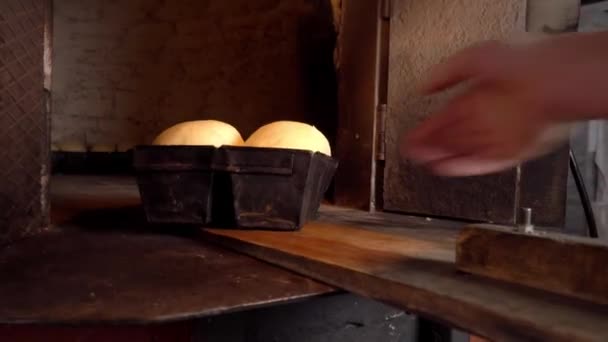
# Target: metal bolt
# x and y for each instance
(526, 225)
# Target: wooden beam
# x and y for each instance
(568, 265)
(412, 266)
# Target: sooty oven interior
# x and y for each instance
(84, 83)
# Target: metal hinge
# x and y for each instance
(380, 131)
(386, 9)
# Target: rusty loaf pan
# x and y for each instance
(277, 189)
(175, 183)
(232, 187)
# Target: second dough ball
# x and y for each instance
(292, 135)
(201, 132)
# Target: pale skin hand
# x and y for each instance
(518, 104)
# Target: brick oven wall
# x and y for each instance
(125, 69)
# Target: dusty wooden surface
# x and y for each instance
(103, 263)
(568, 265)
(412, 267)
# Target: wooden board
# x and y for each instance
(568, 265)
(412, 267)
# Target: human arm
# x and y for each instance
(518, 103)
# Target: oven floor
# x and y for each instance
(100, 262)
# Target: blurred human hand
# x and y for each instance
(518, 104)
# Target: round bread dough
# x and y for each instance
(200, 132)
(292, 135)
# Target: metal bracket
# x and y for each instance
(526, 225)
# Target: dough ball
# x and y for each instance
(201, 132)
(72, 146)
(290, 134)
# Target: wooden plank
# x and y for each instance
(568, 265)
(414, 269)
